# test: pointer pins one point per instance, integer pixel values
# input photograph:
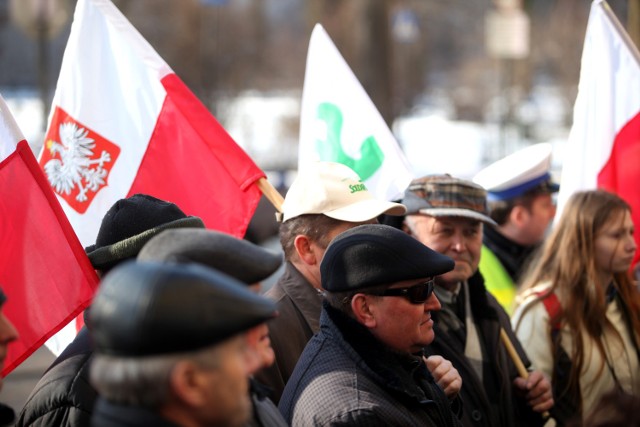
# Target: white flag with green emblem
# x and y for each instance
(340, 123)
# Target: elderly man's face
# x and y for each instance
(400, 324)
(457, 237)
(228, 386)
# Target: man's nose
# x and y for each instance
(432, 303)
(458, 242)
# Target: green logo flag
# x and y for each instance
(340, 123)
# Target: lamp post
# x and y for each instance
(41, 20)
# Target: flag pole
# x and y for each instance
(522, 370)
(635, 53)
(271, 193)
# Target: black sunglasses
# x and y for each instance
(416, 294)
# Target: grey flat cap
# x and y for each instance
(238, 258)
(144, 309)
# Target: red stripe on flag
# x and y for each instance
(621, 173)
(193, 162)
(46, 274)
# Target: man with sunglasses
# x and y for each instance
(447, 214)
(365, 366)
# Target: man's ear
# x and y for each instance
(305, 252)
(187, 384)
(364, 310)
(519, 215)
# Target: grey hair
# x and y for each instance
(143, 381)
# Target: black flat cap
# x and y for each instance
(130, 223)
(372, 255)
(238, 258)
(149, 308)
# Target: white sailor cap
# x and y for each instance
(517, 173)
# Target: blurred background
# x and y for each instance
(483, 78)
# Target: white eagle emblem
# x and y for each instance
(75, 166)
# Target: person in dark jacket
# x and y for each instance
(365, 366)
(325, 199)
(519, 194)
(63, 396)
(243, 261)
(8, 334)
(447, 215)
(171, 347)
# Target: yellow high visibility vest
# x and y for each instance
(497, 280)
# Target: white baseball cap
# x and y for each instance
(336, 191)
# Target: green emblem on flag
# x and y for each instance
(331, 149)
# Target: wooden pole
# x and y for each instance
(522, 370)
(271, 193)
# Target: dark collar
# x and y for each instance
(512, 255)
(401, 373)
(479, 299)
(107, 414)
(306, 298)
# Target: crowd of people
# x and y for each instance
(448, 307)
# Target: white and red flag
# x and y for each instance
(603, 150)
(44, 271)
(122, 122)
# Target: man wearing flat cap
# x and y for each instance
(63, 396)
(519, 190)
(365, 366)
(170, 346)
(243, 261)
(324, 200)
(447, 214)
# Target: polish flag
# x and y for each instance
(44, 271)
(603, 150)
(339, 123)
(122, 122)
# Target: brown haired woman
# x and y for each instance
(579, 312)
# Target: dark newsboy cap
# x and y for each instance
(374, 254)
(130, 223)
(145, 308)
(238, 258)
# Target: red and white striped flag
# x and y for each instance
(603, 150)
(122, 122)
(44, 270)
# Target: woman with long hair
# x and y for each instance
(579, 312)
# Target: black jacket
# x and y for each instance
(346, 377)
(63, 396)
(494, 402)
